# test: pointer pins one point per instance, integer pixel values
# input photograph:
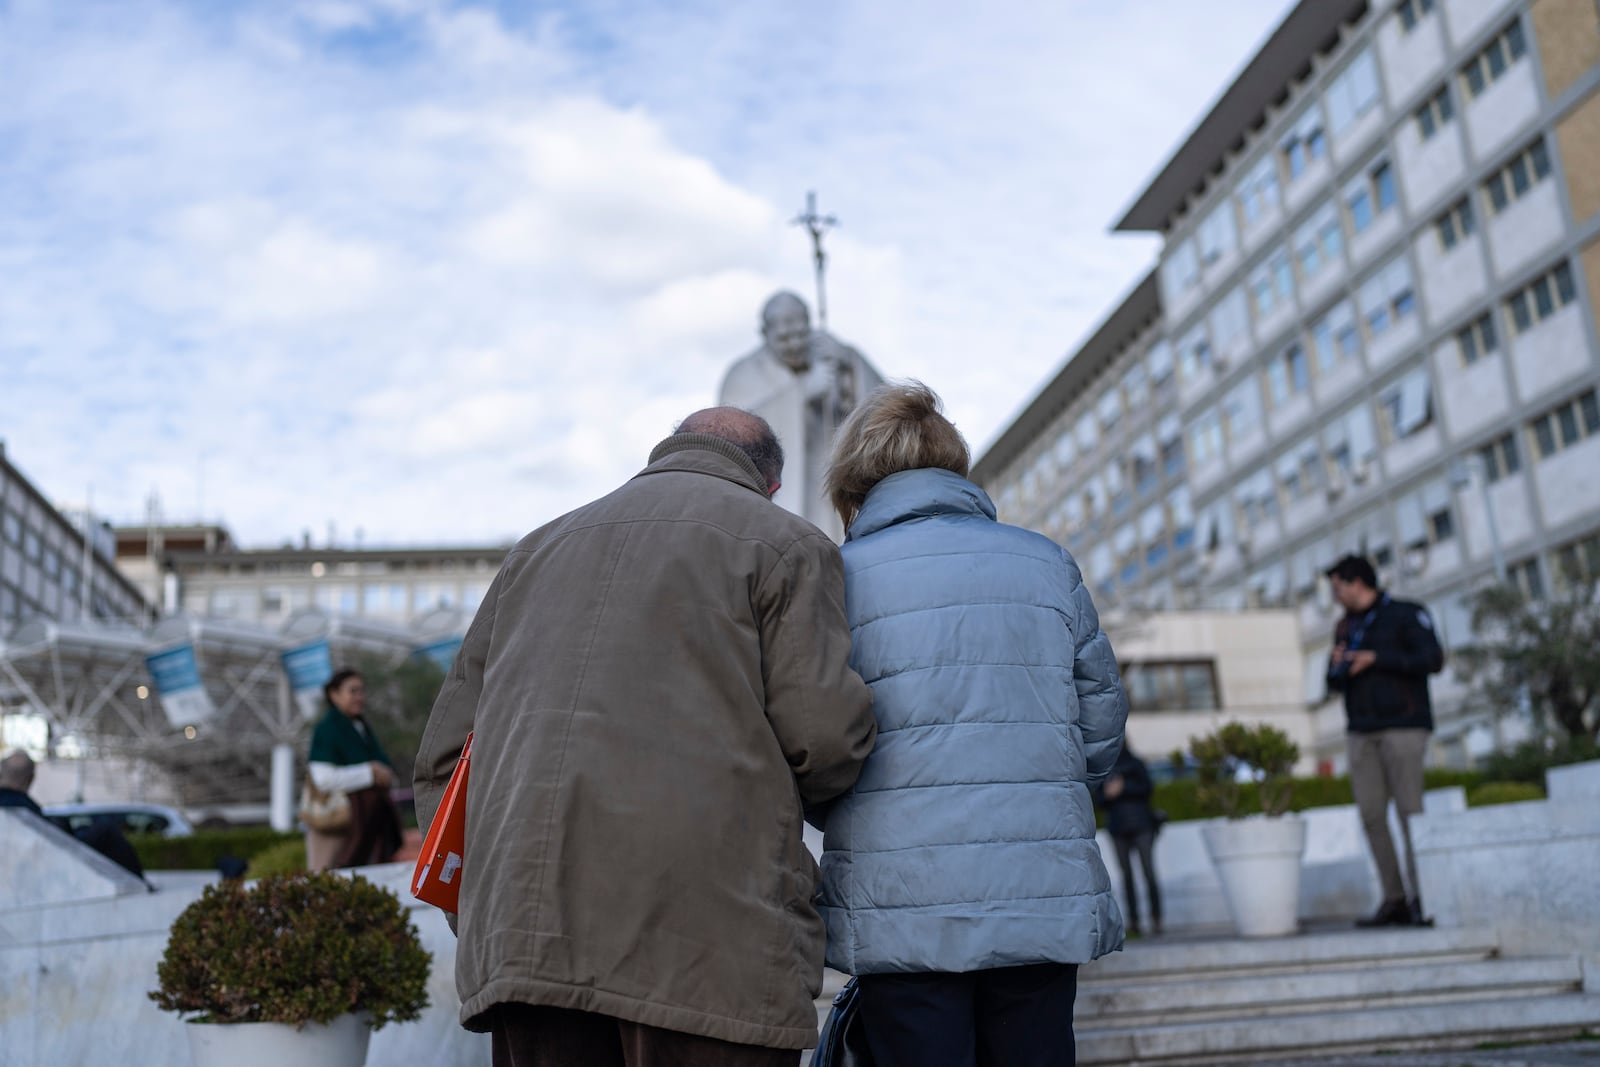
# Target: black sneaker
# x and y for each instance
(1414, 912)
(1390, 913)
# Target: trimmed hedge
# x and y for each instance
(1503, 793)
(1177, 798)
(201, 850)
(286, 857)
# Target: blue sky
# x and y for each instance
(440, 271)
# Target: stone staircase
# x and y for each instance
(1234, 1001)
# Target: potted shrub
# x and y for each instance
(1257, 855)
(262, 971)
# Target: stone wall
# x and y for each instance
(79, 944)
(1530, 870)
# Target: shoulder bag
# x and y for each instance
(328, 812)
(843, 1042)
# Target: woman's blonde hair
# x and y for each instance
(899, 427)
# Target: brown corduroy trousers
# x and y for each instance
(526, 1035)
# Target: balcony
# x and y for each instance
(1427, 169)
(1451, 278)
(1525, 228)
(1503, 111)
(1470, 397)
(1568, 482)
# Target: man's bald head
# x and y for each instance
(16, 771)
(749, 433)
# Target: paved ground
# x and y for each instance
(1567, 1054)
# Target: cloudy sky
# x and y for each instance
(437, 271)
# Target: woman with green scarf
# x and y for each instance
(347, 757)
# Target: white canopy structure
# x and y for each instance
(229, 740)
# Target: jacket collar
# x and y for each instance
(919, 494)
(702, 453)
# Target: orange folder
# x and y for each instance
(438, 877)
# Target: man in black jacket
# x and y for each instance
(1383, 651)
(1132, 824)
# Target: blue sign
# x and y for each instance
(442, 652)
(309, 667)
(176, 674)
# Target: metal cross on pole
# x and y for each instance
(817, 225)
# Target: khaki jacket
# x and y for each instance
(656, 682)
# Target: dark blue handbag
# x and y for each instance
(843, 1042)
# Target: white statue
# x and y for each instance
(803, 382)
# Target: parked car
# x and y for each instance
(131, 818)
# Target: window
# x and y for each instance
(11, 527)
(1180, 513)
(1169, 437)
(1161, 364)
(1456, 224)
(1109, 408)
(1257, 499)
(1517, 178)
(1353, 93)
(1116, 481)
(1135, 386)
(1526, 577)
(1477, 339)
(1435, 113)
(1064, 451)
(1258, 190)
(1126, 544)
(1370, 195)
(1272, 284)
(1088, 433)
(1500, 458)
(1579, 561)
(1288, 376)
(1194, 354)
(1171, 686)
(1300, 471)
(1407, 405)
(1305, 143)
(1410, 12)
(1146, 472)
(1215, 235)
(1425, 518)
(32, 544)
(1487, 67)
(271, 600)
(1319, 241)
(1153, 535)
(1205, 437)
(1230, 319)
(1387, 297)
(1181, 269)
(1566, 425)
(1541, 298)
(1335, 336)
(1242, 409)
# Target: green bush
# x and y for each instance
(1233, 746)
(201, 850)
(294, 949)
(286, 857)
(1177, 798)
(1503, 793)
(1529, 760)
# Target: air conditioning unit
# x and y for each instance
(1335, 484)
(1361, 471)
(1219, 362)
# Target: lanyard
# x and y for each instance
(1353, 640)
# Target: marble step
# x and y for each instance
(1221, 957)
(1105, 1004)
(1247, 1039)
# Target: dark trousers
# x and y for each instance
(529, 1036)
(1145, 845)
(1006, 1017)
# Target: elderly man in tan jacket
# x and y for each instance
(656, 682)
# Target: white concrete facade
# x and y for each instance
(1442, 220)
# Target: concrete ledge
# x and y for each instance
(1353, 947)
(1579, 781)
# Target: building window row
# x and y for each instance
(1541, 298)
(1411, 12)
(1456, 224)
(1491, 64)
(1501, 458)
(1435, 113)
(1181, 685)
(1566, 425)
(1517, 178)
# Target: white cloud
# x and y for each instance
(442, 270)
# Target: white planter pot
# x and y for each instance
(341, 1043)
(1258, 863)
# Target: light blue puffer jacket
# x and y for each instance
(968, 841)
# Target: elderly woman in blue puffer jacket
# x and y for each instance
(961, 881)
